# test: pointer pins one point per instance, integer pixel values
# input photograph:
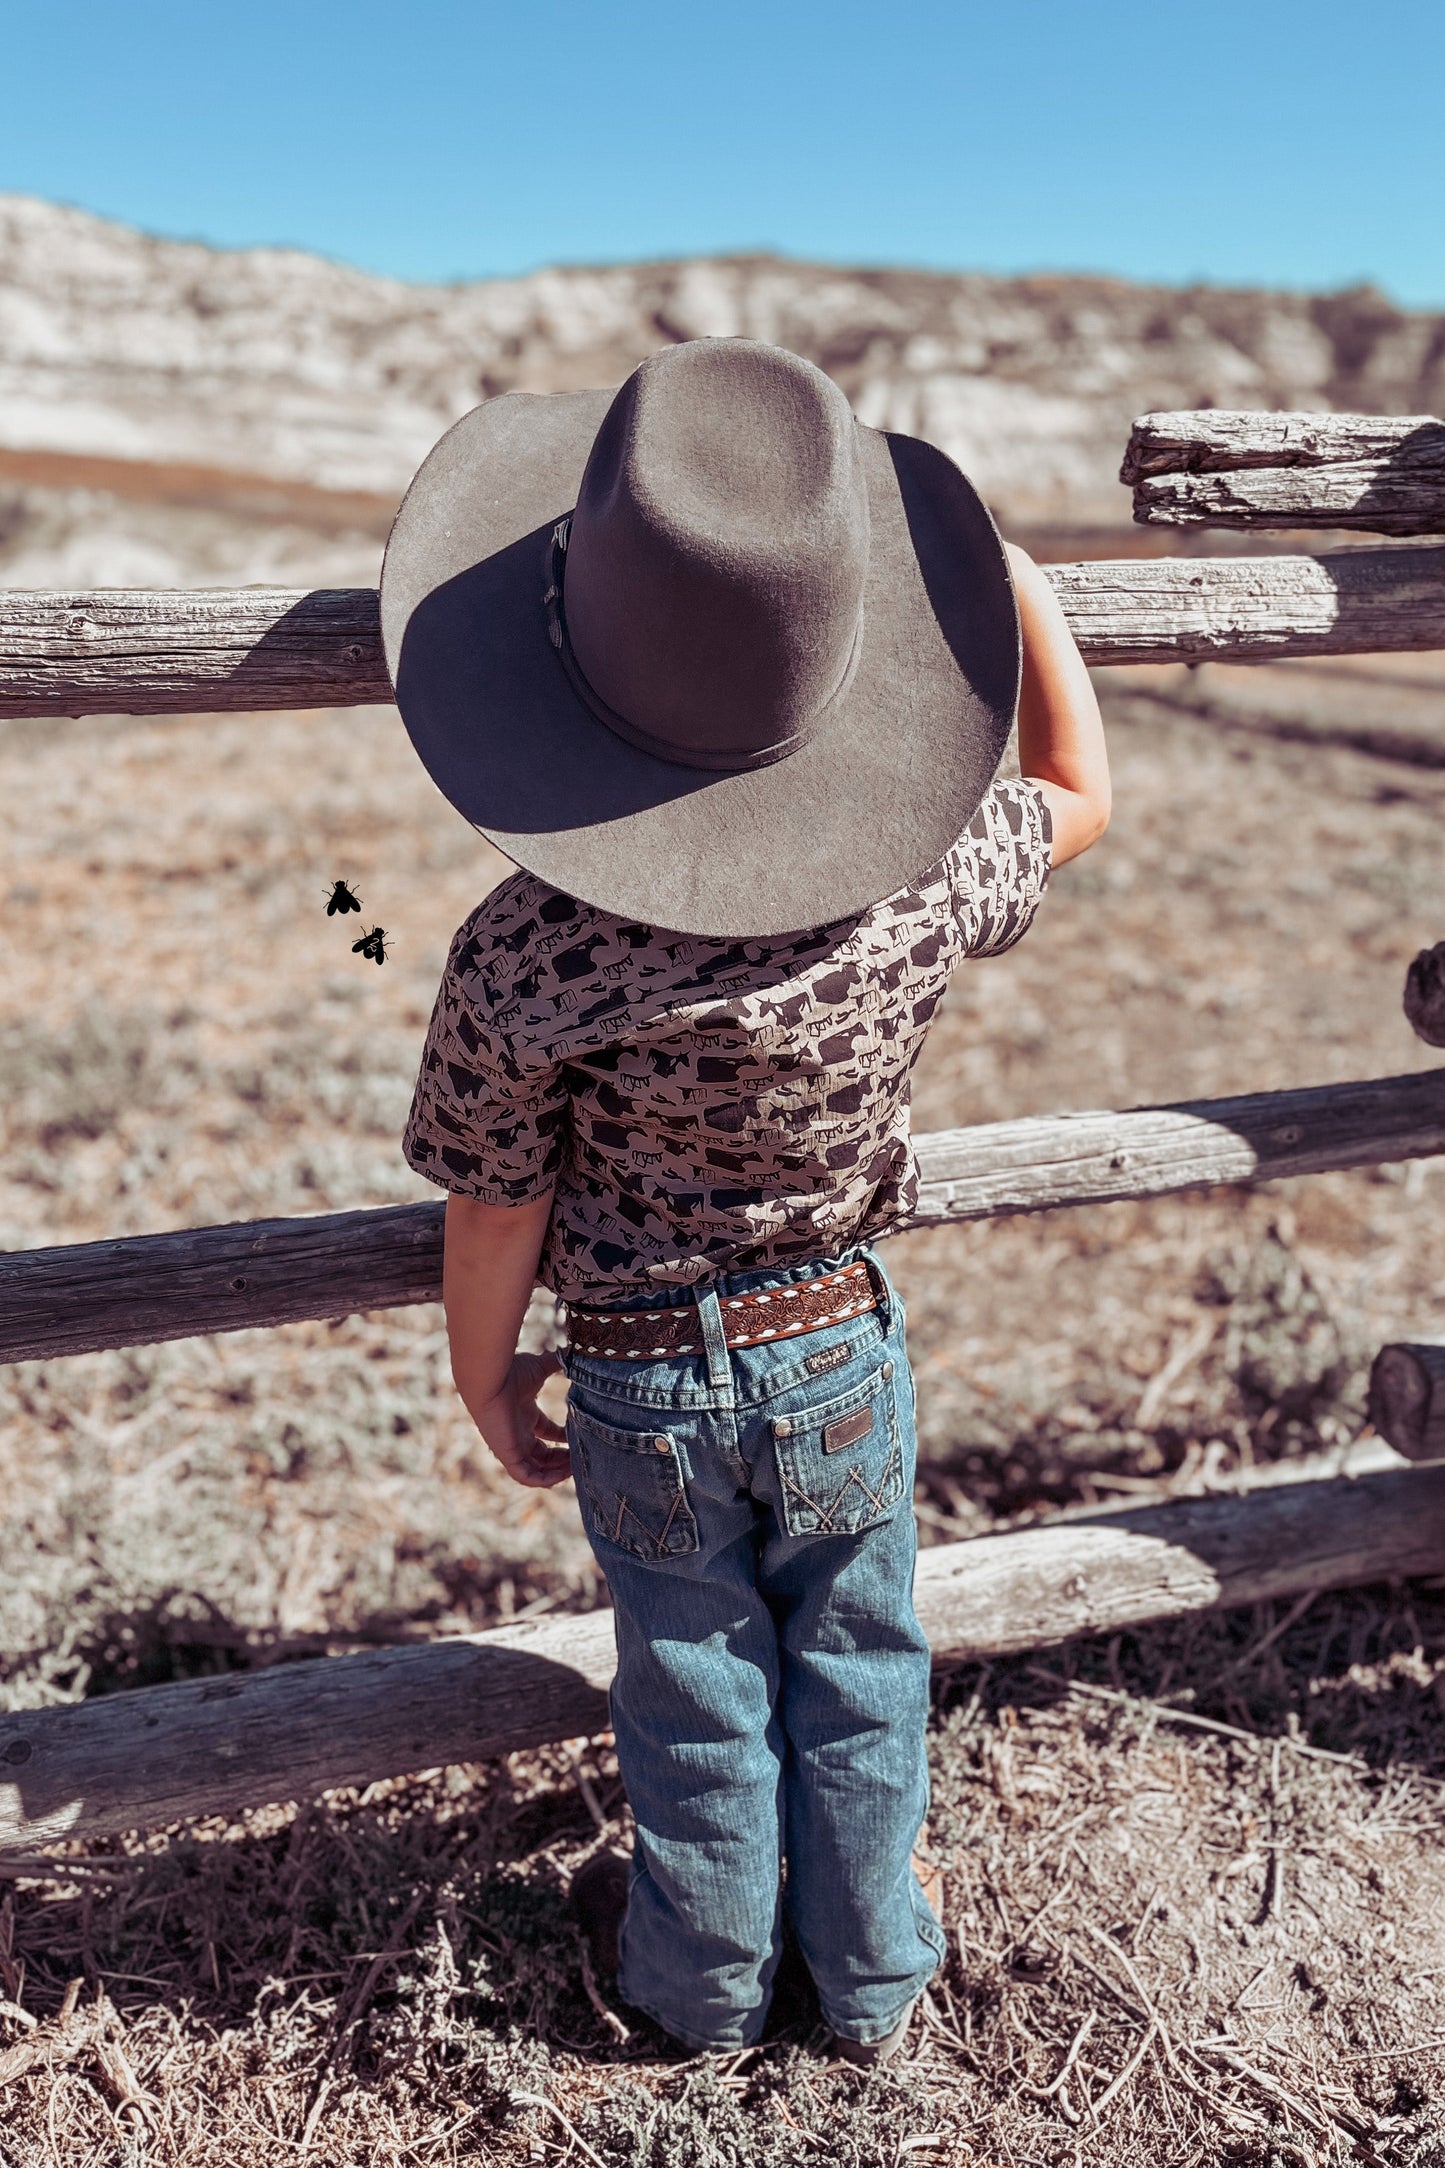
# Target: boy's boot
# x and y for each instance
(598, 1900)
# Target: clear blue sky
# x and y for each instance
(1290, 142)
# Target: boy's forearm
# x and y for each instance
(1060, 730)
(489, 1269)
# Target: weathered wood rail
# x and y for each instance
(122, 651)
(1383, 474)
(143, 652)
(211, 1746)
(145, 1288)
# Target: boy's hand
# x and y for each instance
(489, 1267)
(530, 1446)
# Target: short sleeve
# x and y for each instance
(999, 868)
(483, 1122)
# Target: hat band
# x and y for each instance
(723, 763)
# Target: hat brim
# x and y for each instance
(876, 797)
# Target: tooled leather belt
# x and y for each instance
(774, 1313)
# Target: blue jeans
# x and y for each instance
(752, 1511)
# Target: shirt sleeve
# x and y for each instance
(483, 1122)
(999, 868)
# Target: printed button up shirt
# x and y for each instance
(704, 1106)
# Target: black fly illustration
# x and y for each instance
(342, 900)
(372, 944)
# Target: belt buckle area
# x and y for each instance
(752, 1320)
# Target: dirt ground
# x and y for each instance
(1169, 1943)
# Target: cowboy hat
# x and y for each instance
(706, 652)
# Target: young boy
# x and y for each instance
(713, 663)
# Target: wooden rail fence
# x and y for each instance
(209, 1746)
(143, 1288)
(144, 652)
(289, 1731)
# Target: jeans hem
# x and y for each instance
(885, 2027)
(679, 2032)
(693, 2042)
(870, 2039)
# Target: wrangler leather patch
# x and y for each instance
(847, 1431)
(828, 1358)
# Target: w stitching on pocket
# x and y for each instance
(828, 1512)
(632, 1490)
(815, 1502)
(654, 1545)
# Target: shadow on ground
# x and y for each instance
(1188, 1841)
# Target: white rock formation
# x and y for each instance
(268, 362)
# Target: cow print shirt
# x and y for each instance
(704, 1106)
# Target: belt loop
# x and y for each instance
(714, 1338)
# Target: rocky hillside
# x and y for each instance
(272, 365)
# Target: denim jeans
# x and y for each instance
(752, 1510)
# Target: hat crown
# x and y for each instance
(716, 559)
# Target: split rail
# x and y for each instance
(288, 1732)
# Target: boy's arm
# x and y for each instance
(489, 1269)
(1061, 734)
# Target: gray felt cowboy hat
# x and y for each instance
(705, 652)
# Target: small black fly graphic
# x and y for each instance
(372, 944)
(342, 900)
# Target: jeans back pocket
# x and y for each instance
(840, 1463)
(631, 1488)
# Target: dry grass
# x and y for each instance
(1238, 1942)
(1167, 1944)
